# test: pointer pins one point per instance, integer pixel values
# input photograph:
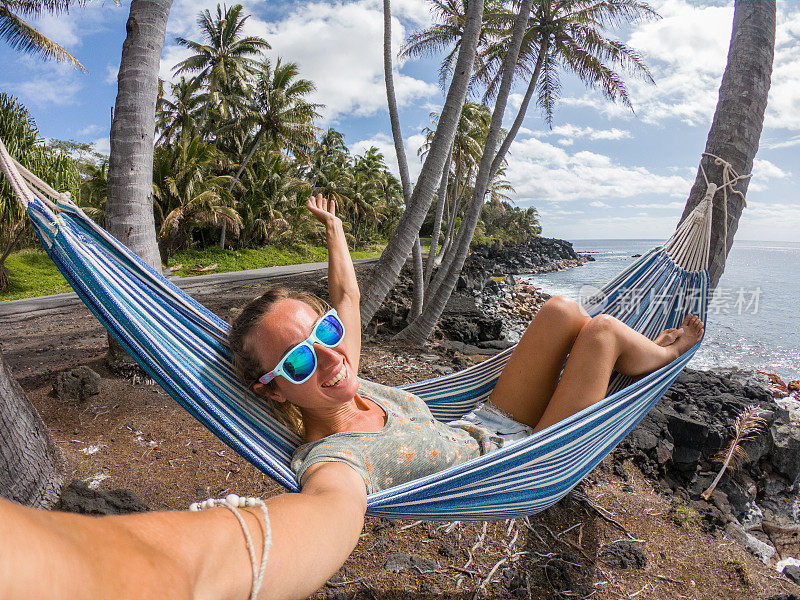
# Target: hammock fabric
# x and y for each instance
(181, 345)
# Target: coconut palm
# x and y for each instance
(738, 119)
(225, 60)
(568, 35)
(186, 195)
(447, 32)
(406, 235)
(129, 204)
(179, 113)
(279, 112)
(580, 48)
(24, 38)
(33, 465)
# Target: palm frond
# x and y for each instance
(748, 424)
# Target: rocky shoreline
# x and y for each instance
(490, 308)
(756, 505)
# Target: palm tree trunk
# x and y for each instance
(418, 280)
(248, 158)
(402, 160)
(739, 117)
(385, 273)
(523, 109)
(129, 204)
(441, 201)
(443, 284)
(31, 465)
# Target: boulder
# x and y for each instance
(761, 550)
(786, 450)
(78, 384)
(77, 497)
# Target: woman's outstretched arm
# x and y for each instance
(197, 555)
(342, 284)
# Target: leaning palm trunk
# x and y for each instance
(400, 244)
(739, 117)
(402, 160)
(129, 204)
(444, 282)
(31, 465)
(441, 201)
(523, 109)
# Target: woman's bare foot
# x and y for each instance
(690, 332)
(667, 337)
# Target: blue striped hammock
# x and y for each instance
(182, 346)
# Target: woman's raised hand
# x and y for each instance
(323, 211)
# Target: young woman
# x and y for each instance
(304, 360)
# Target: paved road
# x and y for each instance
(27, 307)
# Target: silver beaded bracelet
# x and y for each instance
(233, 502)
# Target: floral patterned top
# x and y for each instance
(411, 444)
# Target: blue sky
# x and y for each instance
(600, 172)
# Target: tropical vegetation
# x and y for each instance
(238, 149)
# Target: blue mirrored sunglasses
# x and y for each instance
(300, 362)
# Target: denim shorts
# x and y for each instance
(496, 420)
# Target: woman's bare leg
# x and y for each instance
(529, 379)
(606, 344)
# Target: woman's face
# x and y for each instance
(286, 325)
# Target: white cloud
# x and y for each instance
(61, 29)
(763, 169)
(543, 173)
(686, 52)
(102, 145)
(49, 84)
(338, 46)
(792, 141)
(784, 94)
(574, 131)
(385, 145)
(90, 130)
(112, 72)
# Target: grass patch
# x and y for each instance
(33, 274)
(254, 258)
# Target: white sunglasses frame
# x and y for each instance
(309, 342)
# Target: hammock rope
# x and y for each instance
(181, 345)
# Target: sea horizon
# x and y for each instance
(752, 321)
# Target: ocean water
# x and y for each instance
(754, 321)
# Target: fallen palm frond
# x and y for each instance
(748, 423)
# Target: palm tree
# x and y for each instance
(31, 465)
(568, 34)
(129, 200)
(406, 235)
(225, 62)
(179, 113)
(24, 38)
(581, 48)
(446, 34)
(186, 195)
(278, 111)
(738, 119)
(224, 65)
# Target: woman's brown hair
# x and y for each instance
(245, 360)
